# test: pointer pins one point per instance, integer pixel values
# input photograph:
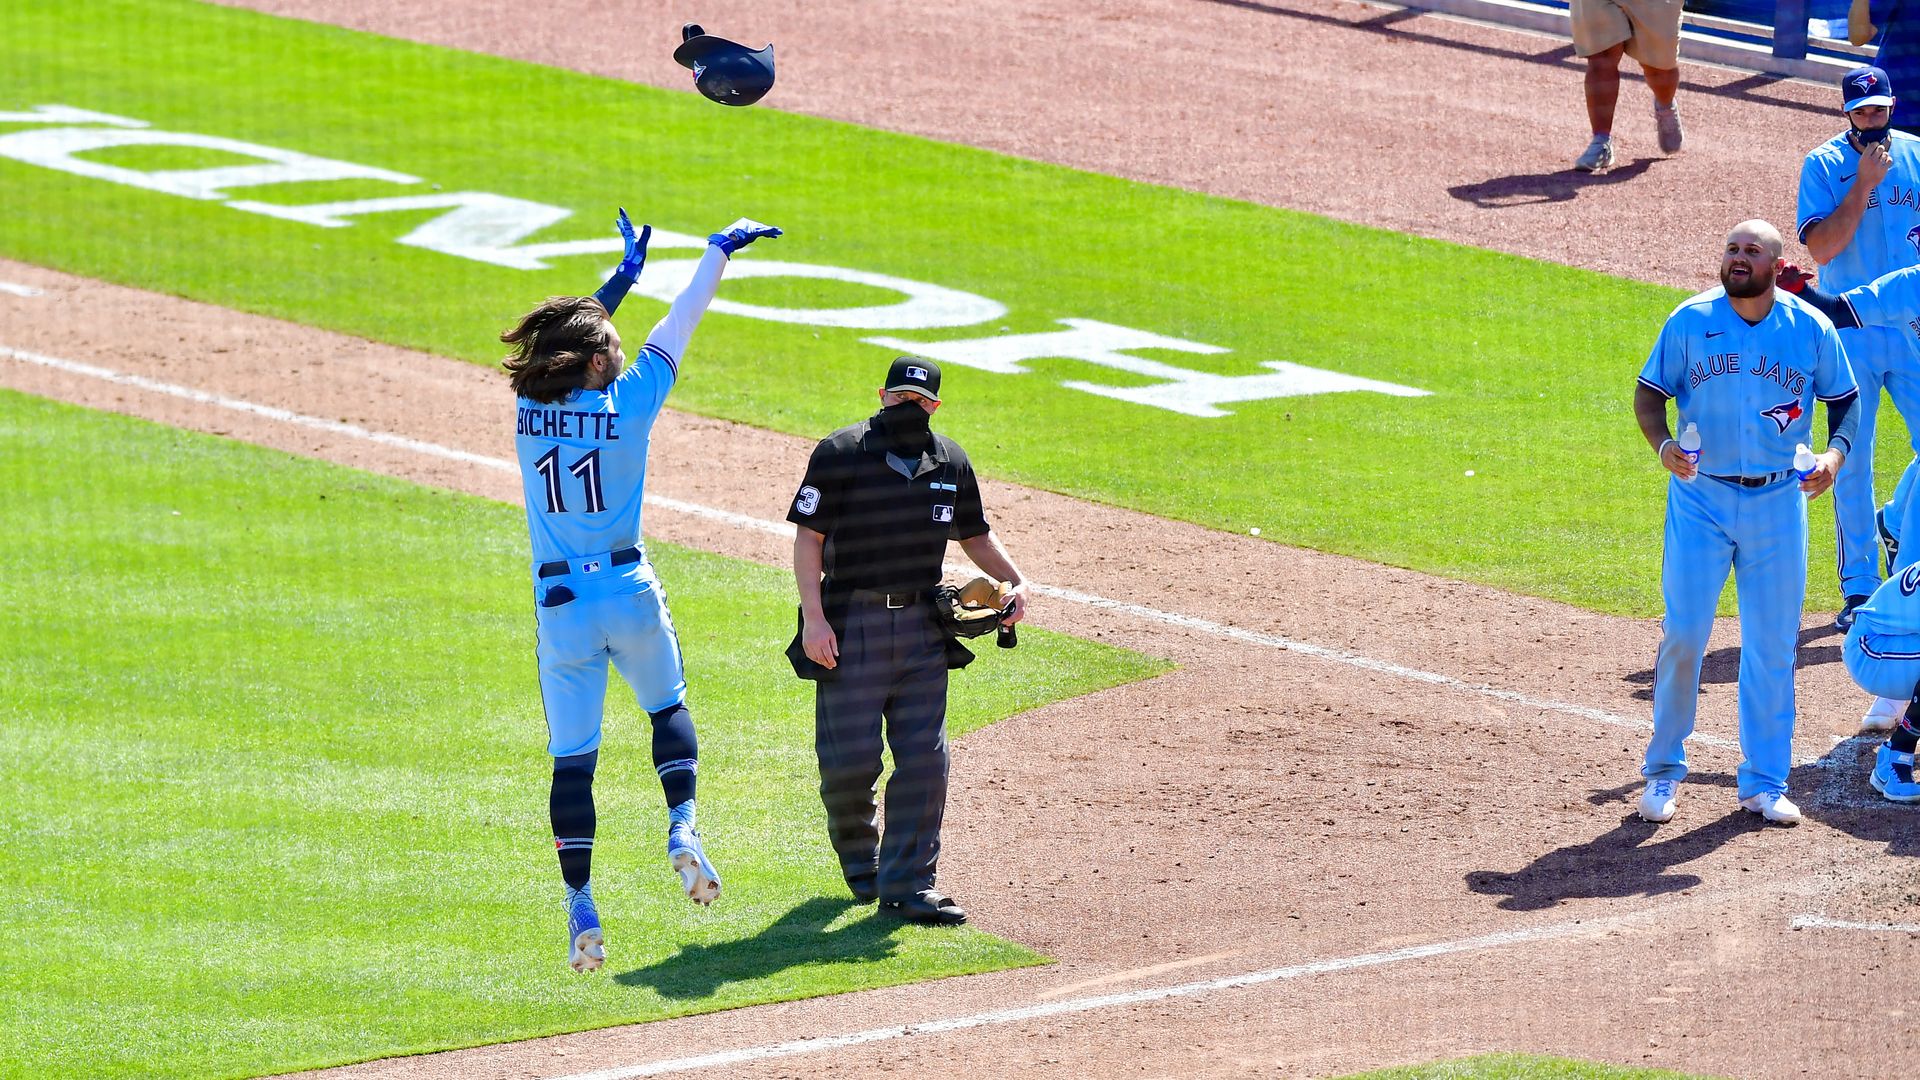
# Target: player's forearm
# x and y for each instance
(1835, 308)
(990, 555)
(808, 562)
(616, 288)
(1650, 410)
(1843, 423)
(1831, 235)
(672, 333)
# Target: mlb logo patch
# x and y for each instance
(590, 567)
(917, 373)
(943, 513)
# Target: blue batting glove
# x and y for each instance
(636, 253)
(740, 234)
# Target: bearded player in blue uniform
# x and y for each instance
(585, 417)
(1859, 213)
(1745, 364)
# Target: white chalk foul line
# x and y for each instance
(11, 289)
(794, 1047)
(1821, 922)
(780, 528)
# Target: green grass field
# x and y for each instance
(276, 778)
(1518, 1067)
(1530, 365)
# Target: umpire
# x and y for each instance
(880, 500)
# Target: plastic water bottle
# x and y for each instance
(1803, 460)
(1689, 443)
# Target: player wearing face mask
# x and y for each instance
(1860, 218)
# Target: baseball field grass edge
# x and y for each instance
(277, 784)
(1520, 1067)
(1521, 468)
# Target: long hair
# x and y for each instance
(552, 344)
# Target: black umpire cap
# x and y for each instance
(915, 373)
(725, 71)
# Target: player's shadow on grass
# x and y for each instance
(1532, 189)
(798, 937)
(1722, 666)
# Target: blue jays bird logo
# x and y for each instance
(1864, 83)
(1784, 414)
(1913, 237)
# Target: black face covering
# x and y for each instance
(905, 429)
(1868, 138)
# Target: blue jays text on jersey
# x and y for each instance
(1749, 387)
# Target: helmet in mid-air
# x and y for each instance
(725, 71)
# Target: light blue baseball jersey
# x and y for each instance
(1750, 388)
(583, 460)
(1888, 236)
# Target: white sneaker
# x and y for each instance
(1657, 802)
(1773, 806)
(1884, 715)
(1597, 156)
(1667, 122)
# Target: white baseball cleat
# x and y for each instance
(586, 945)
(1774, 806)
(1884, 715)
(689, 859)
(1657, 802)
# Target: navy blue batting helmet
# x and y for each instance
(725, 71)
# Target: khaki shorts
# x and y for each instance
(1650, 29)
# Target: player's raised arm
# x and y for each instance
(624, 275)
(672, 333)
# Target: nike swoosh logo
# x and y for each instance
(1846, 177)
(1715, 333)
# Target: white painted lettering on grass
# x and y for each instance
(1181, 390)
(783, 529)
(490, 228)
(727, 1058)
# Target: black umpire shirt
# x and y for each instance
(887, 530)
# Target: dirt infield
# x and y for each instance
(1451, 762)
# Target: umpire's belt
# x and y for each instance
(614, 558)
(1754, 481)
(895, 600)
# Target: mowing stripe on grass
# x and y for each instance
(1189, 622)
(794, 1047)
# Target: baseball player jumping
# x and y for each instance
(584, 418)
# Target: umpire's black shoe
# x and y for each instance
(927, 907)
(1844, 620)
(865, 890)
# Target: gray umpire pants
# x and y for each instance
(892, 665)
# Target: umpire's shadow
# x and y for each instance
(798, 937)
(1529, 189)
(1634, 858)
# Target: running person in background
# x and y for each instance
(1744, 364)
(584, 421)
(1860, 218)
